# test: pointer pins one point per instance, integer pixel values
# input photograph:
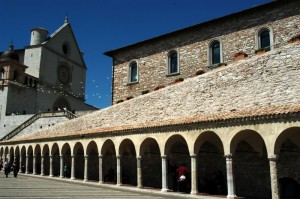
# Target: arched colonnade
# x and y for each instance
(260, 160)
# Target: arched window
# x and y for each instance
(215, 52)
(173, 66)
(133, 72)
(264, 39)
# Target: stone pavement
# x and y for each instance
(28, 187)
(43, 187)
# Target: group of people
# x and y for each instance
(8, 167)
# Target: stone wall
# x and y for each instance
(236, 33)
(265, 80)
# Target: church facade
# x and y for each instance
(47, 75)
(233, 115)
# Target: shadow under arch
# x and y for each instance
(177, 152)
(250, 163)
(128, 162)
(151, 163)
(67, 160)
(287, 147)
(30, 159)
(46, 160)
(93, 161)
(78, 153)
(109, 162)
(55, 160)
(211, 164)
(37, 162)
(23, 159)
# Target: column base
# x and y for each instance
(231, 196)
(61, 176)
(72, 178)
(85, 180)
(164, 190)
(120, 184)
(50, 176)
(101, 182)
(193, 193)
(140, 187)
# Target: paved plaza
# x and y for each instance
(43, 188)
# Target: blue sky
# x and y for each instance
(103, 25)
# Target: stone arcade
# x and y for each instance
(237, 118)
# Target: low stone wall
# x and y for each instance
(265, 80)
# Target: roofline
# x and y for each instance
(110, 53)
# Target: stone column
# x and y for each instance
(8, 157)
(139, 172)
(61, 170)
(86, 168)
(26, 166)
(119, 171)
(20, 164)
(42, 165)
(164, 173)
(73, 168)
(194, 183)
(100, 169)
(51, 166)
(274, 179)
(33, 165)
(230, 177)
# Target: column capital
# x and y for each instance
(118, 156)
(61, 156)
(139, 157)
(164, 156)
(273, 157)
(229, 156)
(86, 157)
(100, 156)
(194, 156)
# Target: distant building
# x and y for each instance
(234, 120)
(45, 76)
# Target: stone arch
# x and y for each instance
(287, 147)
(46, 159)
(23, 159)
(109, 163)
(250, 162)
(93, 161)
(128, 162)
(37, 154)
(177, 152)
(1, 152)
(67, 159)
(30, 159)
(78, 153)
(6, 151)
(211, 164)
(151, 163)
(55, 160)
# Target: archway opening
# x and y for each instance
(37, 154)
(67, 160)
(55, 160)
(79, 161)
(93, 162)
(46, 163)
(109, 163)
(151, 163)
(251, 165)
(288, 148)
(128, 162)
(178, 154)
(30, 160)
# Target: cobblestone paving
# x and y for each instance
(25, 187)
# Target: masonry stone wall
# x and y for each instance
(236, 33)
(265, 80)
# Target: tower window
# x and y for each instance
(133, 72)
(173, 66)
(264, 39)
(215, 52)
